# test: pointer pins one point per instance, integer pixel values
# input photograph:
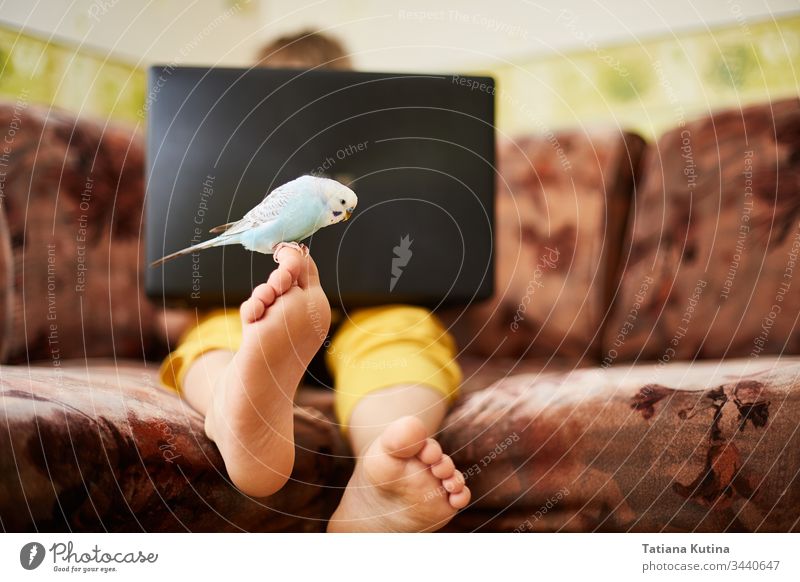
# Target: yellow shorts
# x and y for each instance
(374, 349)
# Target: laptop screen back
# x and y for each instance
(418, 150)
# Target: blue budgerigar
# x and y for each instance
(287, 215)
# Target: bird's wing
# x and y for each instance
(223, 227)
(264, 212)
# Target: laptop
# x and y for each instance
(418, 150)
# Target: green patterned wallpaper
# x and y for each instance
(647, 86)
(652, 85)
(82, 81)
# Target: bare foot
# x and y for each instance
(403, 483)
(250, 416)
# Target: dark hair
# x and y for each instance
(305, 50)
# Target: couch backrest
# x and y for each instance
(562, 204)
(72, 195)
(703, 265)
(712, 263)
(589, 266)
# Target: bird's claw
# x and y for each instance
(299, 246)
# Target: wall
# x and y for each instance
(654, 84)
(641, 65)
(84, 81)
(89, 56)
(143, 32)
(458, 35)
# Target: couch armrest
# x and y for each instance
(684, 447)
(93, 449)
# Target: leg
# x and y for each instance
(246, 392)
(377, 410)
(203, 375)
(402, 480)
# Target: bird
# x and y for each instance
(287, 215)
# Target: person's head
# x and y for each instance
(304, 50)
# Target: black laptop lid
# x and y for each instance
(418, 150)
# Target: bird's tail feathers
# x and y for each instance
(214, 242)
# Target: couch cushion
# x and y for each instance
(682, 447)
(714, 243)
(562, 202)
(72, 198)
(703, 447)
(103, 448)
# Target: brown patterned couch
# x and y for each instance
(586, 403)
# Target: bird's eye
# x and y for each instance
(342, 201)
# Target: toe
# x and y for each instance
(461, 499)
(298, 262)
(280, 280)
(431, 453)
(291, 259)
(455, 483)
(252, 310)
(265, 293)
(308, 275)
(405, 437)
(444, 468)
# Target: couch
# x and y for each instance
(637, 370)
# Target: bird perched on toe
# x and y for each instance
(287, 215)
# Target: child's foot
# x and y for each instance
(403, 483)
(251, 417)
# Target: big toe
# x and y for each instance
(404, 438)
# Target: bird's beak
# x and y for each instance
(347, 214)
